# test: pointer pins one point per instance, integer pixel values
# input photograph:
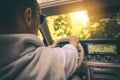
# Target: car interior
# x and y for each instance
(99, 38)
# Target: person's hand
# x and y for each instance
(74, 41)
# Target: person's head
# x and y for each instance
(19, 16)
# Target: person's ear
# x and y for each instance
(28, 16)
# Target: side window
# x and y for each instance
(40, 35)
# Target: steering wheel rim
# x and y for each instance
(80, 53)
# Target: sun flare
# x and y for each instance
(80, 16)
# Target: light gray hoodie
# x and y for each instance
(24, 57)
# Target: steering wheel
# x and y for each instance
(80, 53)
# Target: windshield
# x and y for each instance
(84, 26)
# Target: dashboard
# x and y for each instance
(102, 50)
(101, 60)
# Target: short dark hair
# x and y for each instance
(10, 8)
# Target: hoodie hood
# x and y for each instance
(14, 46)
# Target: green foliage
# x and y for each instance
(59, 26)
(62, 26)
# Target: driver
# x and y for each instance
(22, 55)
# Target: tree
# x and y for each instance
(62, 26)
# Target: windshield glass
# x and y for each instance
(84, 26)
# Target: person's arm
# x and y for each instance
(69, 55)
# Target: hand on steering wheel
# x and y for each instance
(74, 41)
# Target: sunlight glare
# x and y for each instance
(81, 16)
